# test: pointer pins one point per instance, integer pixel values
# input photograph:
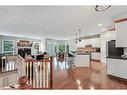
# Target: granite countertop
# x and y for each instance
(116, 57)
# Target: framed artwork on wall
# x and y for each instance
(25, 43)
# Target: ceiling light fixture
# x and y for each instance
(100, 8)
(103, 29)
(99, 24)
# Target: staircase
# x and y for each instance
(38, 72)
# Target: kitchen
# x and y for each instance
(109, 47)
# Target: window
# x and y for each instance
(61, 47)
(36, 47)
(8, 46)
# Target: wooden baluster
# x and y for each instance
(37, 83)
(7, 67)
(6, 64)
(37, 75)
(30, 73)
(40, 74)
(43, 74)
(35, 67)
(27, 68)
(20, 66)
(12, 65)
(51, 73)
(47, 74)
(34, 75)
(2, 64)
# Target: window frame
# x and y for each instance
(3, 47)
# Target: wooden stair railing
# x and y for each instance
(39, 72)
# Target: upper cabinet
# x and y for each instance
(121, 34)
(95, 42)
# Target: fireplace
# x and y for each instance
(24, 51)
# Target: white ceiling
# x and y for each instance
(58, 22)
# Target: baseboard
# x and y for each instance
(116, 77)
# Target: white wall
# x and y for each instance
(72, 45)
(15, 39)
(43, 45)
(0, 43)
(106, 36)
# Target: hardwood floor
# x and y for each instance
(94, 77)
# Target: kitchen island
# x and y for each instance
(82, 60)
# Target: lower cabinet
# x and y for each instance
(117, 67)
(96, 56)
(82, 60)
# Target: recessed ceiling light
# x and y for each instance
(103, 29)
(99, 24)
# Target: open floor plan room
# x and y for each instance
(63, 47)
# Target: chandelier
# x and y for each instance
(100, 8)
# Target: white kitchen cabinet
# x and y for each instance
(82, 60)
(117, 67)
(95, 42)
(121, 34)
(96, 55)
(81, 44)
